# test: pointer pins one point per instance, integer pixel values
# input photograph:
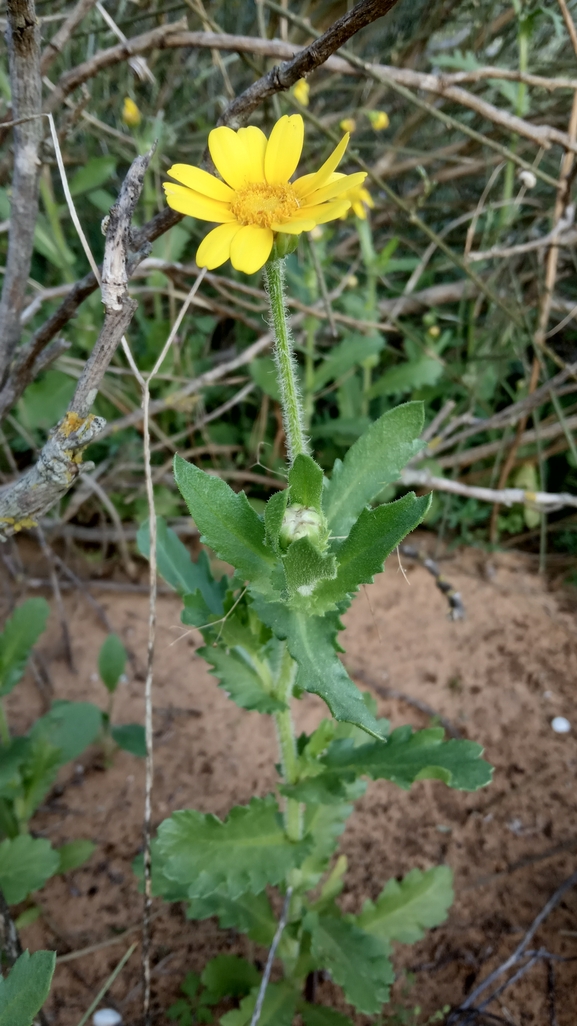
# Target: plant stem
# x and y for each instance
(287, 746)
(285, 362)
(4, 731)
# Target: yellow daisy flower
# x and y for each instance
(256, 198)
(379, 119)
(359, 198)
(348, 124)
(130, 113)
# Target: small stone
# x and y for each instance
(107, 1017)
(560, 725)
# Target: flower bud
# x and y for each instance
(348, 124)
(528, 178)
(130, 113)
(301, 92)
(301, 522)
(379, 119)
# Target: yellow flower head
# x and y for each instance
(359, 199)
(130, 113)
(379, 119)
(301, 92)
(256, 198)
(348, 124)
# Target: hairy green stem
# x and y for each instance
(285, 362)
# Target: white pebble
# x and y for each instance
(107, 1017)
(560, 725)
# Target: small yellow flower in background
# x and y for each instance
(317, 233)
(359, 198)
(434, 331)
(352, 281)
(301, 92)
(348, 124)
(379, 119)
(256, 198)
(130, 113)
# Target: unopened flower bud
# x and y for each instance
(528, 178)
(348, 124)
(130, 113)
(301, 522)
(379, 119)
(301, 92)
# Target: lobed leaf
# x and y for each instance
(26, 863)
(25, 989)
(244, 853)
(406, 908)
(278, 1008)
(227, 522)
(69, 726)
(74, 854)
(375, 460)
(228, 976)
(176, 566)
(357, 961)
(248, 913)
(240, 680)
(320, 1015)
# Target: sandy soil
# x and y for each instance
(499, 677)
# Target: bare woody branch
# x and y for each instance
(24, 49)
(55, 46)
(544, 502)
(60, 462)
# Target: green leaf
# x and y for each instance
(406, 908)
(240, 680)
(227, 522)
(263, 372)
(278, 1007)
(319, 1015)
(311, 643)
(346, 355)
(305, 567)
(20, 634)
(244, 853)
(11, 759)
(248, 913)
(372, 538)
(69, 726)
(274, 512)
(406, 377)
(228, 976)
(26, 863)
(375, 460)
(74, 854)
(111, 662)
(306, 482)
(408, 756)
(132, 738)
(357, 961)
(177, 568)
(96, 172)
(25, 989)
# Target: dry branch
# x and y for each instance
(24, 50)
(544, 502)
(55, 45)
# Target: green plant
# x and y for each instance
(270, 634)
(111, 665)
(25, 989)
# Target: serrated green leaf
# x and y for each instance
(228, 976)
(375, 460)
(74, 854)
(278, 1008)
(177, 568)
(408, 756)
(25, 989)
(305, 567)
(406, 908)
(274, 512)
(111, 661)
(20, 634)
(11, 759)
(405, 377)
(26, 863)
(357, 961)
(240, 680)
(248, 913)
(244, 853)
(319, 1015)
(372, 538)
(306, 482)
(227, 522)
(131, 738)
(69, 726)
(311, 643)
(93, 174)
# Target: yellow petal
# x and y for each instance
(186, 201)
(326, 211)
(359, 210)
(254, 142)
(306, 185)
(215, 247)
(250, 248)
(333, 189)
(199, 180)
(231, 157)
(284, 149)
(294, 227)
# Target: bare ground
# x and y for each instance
(499, 677)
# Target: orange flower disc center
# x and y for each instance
(264, 205)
